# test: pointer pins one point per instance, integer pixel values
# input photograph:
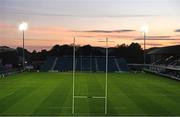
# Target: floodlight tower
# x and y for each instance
(23, 27)
(145, 30)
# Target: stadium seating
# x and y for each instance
(1, 67)
(85, 63)
(170, 60)
(64, 64)
(168, 66)
(48, 64)
(101, 63)
(122, 64)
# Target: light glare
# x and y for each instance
(23, 26)
(144, 29)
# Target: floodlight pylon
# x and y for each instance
(23, 27)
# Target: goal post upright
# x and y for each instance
(106, 41)
(106, 88)
(74, 68)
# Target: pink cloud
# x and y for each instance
(6, 26)
(48, 30)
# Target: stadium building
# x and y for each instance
(165, 61)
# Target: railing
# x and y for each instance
(163, 70)
(5, 73)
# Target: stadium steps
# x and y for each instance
(123, 65)
(47, 64)
(117, 65)
(54, 63)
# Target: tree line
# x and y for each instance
(133, 53)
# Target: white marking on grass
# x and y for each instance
(97, 97)
(80, 97)
(61, 107)
(10, 93)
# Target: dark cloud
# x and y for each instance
(74, 15)
(152, 44)
(110, 36)
(165, 38)
(122, 36)
(107, 31)
(155, 39)
(177, 30)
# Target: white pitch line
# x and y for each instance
(99, 97)
(95, 97)
(80, 97)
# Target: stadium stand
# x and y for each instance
(122, 64)
(85, 63)
(165, 61)
(48, 64)
(1, 68)
(64, 64)
(4, 71)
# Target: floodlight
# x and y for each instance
(144, 29)
(23, 26)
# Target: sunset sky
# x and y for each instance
(58, 21)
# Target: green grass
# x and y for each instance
(51, 94)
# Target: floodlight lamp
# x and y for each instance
(144, 29)
(23, 26)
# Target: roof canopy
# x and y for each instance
(6, 49)
(170, 50)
